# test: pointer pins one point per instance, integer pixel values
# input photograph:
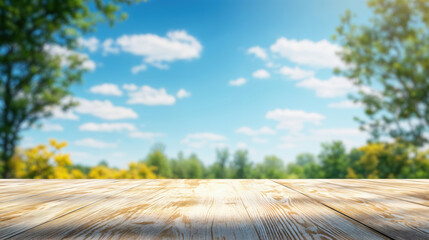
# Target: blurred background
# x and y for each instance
(214, 89)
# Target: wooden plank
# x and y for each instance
(394, 218)
(281, 213)
(398, 183)
(25, 213)
(416, 195)
(174, 209)
(14, 190)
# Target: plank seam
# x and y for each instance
(373, 193)
(335, 210)
(75, 210)
(248, 214)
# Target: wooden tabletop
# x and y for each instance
(214, 209)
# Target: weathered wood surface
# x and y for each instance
(214, 209)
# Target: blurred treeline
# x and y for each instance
(374, 160)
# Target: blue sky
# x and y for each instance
(197, 75)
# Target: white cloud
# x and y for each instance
(259, 140)
(255, 132)
(107, 127)
(237, 82)
(198, 140)
(138, 68)
(107, 89)
(346, 104)
(219, 145)
(60, 114)
(352, 137)
(307, 52)
(49, 127)
(104, 109)
(145, 135)
(157, 50)
(261, 73)
(182, 93)
(130, 87)
(333, 87)
(242, 145)
(64, 54)
(293, 120)
(90, 43)
(296, 73)
(108, 47)
(258, 52)
(93, 143)
(150, 96)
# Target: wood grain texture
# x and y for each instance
(414, 195)
(213, 209)
(281, 213)
(173, 209)
(395, 218)
(25, 213)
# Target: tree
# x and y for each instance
(38, 62)
(44, 161)
(194, 167)
(334, 159)
(389, 160)
(310, 168)
(159, 160)
(387, 59)
(271, 167)
(220, 169)
(241, 166)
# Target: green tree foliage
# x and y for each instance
(38, 63)
(305, 167)
(390, 53)
(374, 160)
(159, 160)
(334, 159)
(220, 167)
(271, 167)
(241, 167)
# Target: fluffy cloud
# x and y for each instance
(293, 120)
(307, 52)
(145, 135)
(107, 89)
(182, 93)
(107, 127)
(237, 82)
(93, 143)
(109, 47)
(352, 137)
(104, 109)
(333, 87)
(296, 73)
(130, 87)
(64, 54)
(346, 104)
(258, 52)
(157, 50)
(49, 127)
(150, 96)
(90, 43)
(261, 73)
(259, 140)
(255, 132)
(138, 68)
(60, 114)
(198, 140)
